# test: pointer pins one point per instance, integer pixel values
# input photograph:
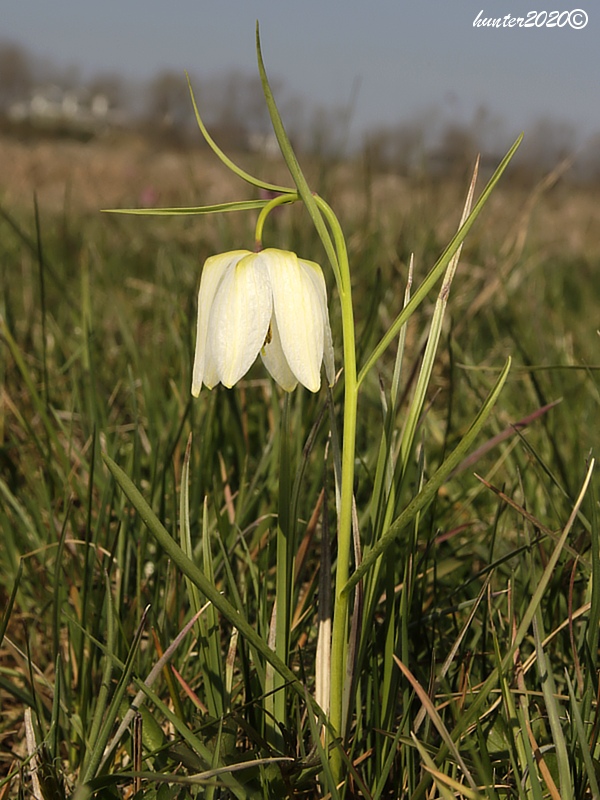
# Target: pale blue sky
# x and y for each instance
(406, 57)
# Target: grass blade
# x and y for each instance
(233, 615)
(430, 489)
(439, 267)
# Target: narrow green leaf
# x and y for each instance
(430, 489)
(387, 765)
(582, 740)
(209, 663)
(523, 761)
(533, 789)
(593, 630)
(435, 331)
(294, 167)
(245, 176)
(97, 754)
(552, 708)
(275, 701)
(328, 778)
(53, 735)
(218, 208)
(429, 763)
(11, 601)
(214, 651)
(482, 694)
(439, 267)
(107, 669)
(196, 743)
(235, 617)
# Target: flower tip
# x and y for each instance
(314, 385)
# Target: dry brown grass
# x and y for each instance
(525, 236)
(83, 177)
(87, 176)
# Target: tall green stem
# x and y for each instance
(339, 640)
(319, 211)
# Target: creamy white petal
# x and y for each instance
(299, 317)
(211, 373)
(215, 267)
(239, 318)
(316, 274)
(275, 360)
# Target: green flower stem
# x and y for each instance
(328, 226)
(339, 640)
(266, 210)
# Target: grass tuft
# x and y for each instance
(140, 530)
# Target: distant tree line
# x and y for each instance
(232, 104)
(233, 107)
(434, 146)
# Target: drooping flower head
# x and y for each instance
(272, 303)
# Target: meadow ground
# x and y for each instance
(489, 597)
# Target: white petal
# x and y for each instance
(215, 267)
(316, 274)
(297, 309)
(239, 318)
(276, 362)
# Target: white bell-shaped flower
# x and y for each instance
(272, 303)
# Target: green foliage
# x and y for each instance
(146, 578)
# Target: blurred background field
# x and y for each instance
(98, 322)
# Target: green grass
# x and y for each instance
(476, 655)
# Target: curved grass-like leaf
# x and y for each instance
(582, 739)
(439, 267)
(218, 208)
(430, 489)
(104, 691)
(97, 753)
(11, 601)
(294, 167)
(191, 571)
(245, 176)
(209, 651)
(506, 659)
(553, 708)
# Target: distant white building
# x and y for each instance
(263, 143)
(80, 109)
